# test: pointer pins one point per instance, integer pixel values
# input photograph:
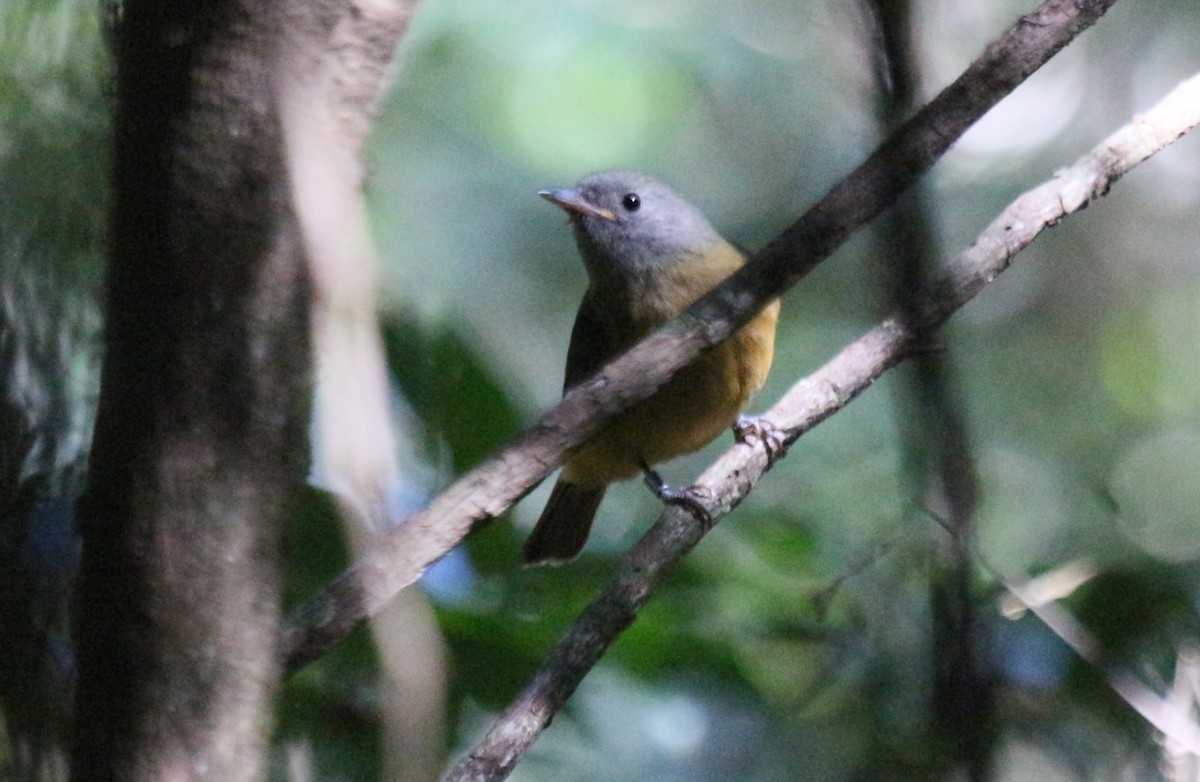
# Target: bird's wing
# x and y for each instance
(608, 325)
(598, 337)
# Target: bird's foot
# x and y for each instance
(757, 429)
(691, 499)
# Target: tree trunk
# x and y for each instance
(201, 435)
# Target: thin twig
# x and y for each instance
(401, 556)
(1182, 763)
(805, 405)
(1162, 714)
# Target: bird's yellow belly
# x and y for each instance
(690, 411)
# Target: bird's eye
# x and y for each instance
(631, 202)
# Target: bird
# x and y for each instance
(648, 254)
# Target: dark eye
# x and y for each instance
(631, 202)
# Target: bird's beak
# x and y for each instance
(574, 204)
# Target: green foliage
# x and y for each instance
(53, 139)
(441, 375)
(330, 706)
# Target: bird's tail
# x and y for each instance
(563, 528)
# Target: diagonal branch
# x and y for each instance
(808, 403)
(401, 556)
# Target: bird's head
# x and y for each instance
(631, 224)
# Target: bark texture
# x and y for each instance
(201, 434)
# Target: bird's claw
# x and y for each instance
(690, 499)
(752, 429)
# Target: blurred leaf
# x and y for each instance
(1154, 486)
(465, 410)
(331, 703)
(1141, 615)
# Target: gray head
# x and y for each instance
(628, 223)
